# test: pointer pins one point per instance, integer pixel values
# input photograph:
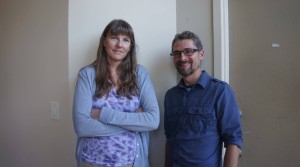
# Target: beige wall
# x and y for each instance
(34, 72)
(266, 79)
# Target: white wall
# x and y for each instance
(154, 25)
(196, 16)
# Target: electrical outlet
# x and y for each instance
(54, 110)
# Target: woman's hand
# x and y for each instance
(140, 109)
(95, 113)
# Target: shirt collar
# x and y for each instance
(202, 81)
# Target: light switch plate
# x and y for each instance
(55, 110)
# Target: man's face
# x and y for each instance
(188, 61)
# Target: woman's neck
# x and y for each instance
(114, 77)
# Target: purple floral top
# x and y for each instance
(117, 150)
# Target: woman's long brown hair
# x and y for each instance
(127, 85)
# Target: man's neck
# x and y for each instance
(193, 78)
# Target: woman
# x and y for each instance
(114, 104)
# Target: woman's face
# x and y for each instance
(117, 47)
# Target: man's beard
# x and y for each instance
(187, 72)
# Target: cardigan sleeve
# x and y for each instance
(84, 125)
(138, 121)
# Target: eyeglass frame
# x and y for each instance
(183, 51)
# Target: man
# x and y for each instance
(201, 112)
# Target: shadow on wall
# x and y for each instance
(163, 70)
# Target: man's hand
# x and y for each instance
(232, 155)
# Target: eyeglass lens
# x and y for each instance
(186, 52)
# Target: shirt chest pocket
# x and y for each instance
(201, 118)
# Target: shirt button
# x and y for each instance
(137, 156)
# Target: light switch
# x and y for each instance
(54, 110)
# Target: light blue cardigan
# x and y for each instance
(113, 122)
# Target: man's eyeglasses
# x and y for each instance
(186, 52)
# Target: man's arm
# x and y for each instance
(231, 156)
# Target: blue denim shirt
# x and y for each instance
(198, 120)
